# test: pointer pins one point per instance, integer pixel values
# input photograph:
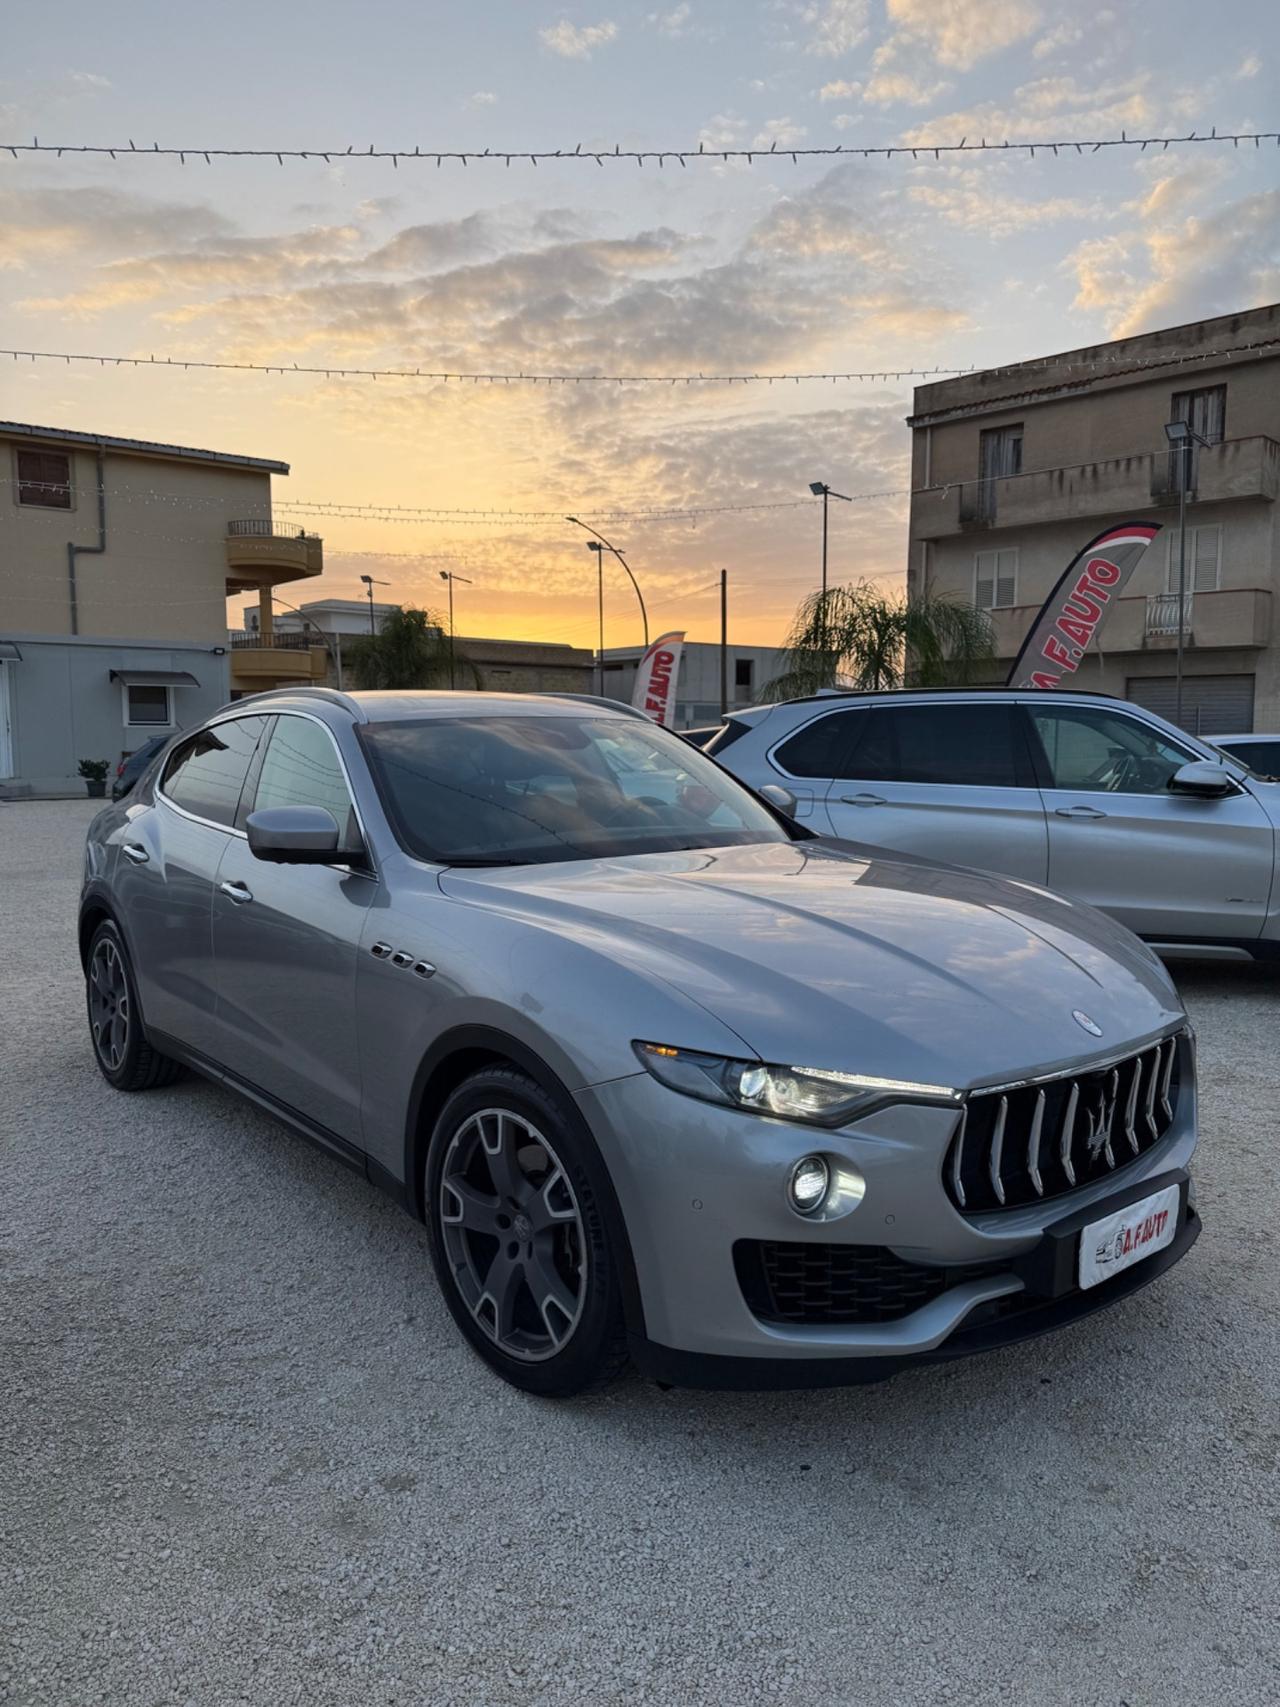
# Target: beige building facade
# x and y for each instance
(1015, 470)
(117, 557)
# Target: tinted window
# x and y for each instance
(207, 772)
(973, 745)
(818, 748)
(521, 790)
(301, 769)
(1105, 751)
(1262, 757)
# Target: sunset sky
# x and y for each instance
(575, 268)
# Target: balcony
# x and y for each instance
(1118, 486)
(261, 661)
(260, 556)
(1233, 617)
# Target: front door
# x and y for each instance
(1167, 865)
(950, 781)
(285, 940)
(6, 724)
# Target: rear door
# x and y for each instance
(949, 780)
(810, 759)
(285, 940)
(165, 872)
(1167, 865)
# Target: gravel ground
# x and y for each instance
(245, 1459)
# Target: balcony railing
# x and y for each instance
(288, 640)
(260, 529)
(1162, 613)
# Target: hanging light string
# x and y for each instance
(660, 157)
(1117, 363)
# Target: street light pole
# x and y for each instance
(370, 584)
(595, 545)
(724, 644)
(820, 489)
(644, 615)
(449, 576)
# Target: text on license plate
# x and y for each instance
(1116, 1242)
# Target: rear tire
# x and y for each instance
(125, 1058)
(518, 1239)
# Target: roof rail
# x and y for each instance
(334, 696)
(603, 699)
(953, 688)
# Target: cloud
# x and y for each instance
(88, 80)
(1249, 66)
(42, 223)
(484, 98)
(839, 90)
(958, 33)
(1178, 265)
(1071, 32)
(570, 42)
(1042, 109)
(900, 88)
(976, 199)
(835, 26)
(780, 133)
(674, 23)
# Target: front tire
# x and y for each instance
(518, 1239)
(120, 1047)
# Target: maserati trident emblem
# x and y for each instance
(1082, 1019)
(1098, 1132)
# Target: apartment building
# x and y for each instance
(117, 557)
(1015, 469)
(505, 666)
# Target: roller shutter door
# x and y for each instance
(1211, 705)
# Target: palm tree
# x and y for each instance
(411, 650)
(859, 636)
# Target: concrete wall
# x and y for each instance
(64, 707)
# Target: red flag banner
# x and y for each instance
(1077, 607)
(655, 689)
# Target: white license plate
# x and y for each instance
(1109, 1246)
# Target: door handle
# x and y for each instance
(863, 800)
(136, 852)
(1078, 812)
(237, 892)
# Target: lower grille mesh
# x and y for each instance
(1039, 1140)
(815, 1283)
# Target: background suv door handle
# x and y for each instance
(136, 852)
(237, 892)
(1078, 812)
(863, 800)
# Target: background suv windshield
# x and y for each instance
(516, 790)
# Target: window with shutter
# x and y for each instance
(999, 455)
(1205, 412)
(995, 584)
(1204, 560)
(44, 479)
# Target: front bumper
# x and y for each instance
(693, 1179)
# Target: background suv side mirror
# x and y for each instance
(295, 835)
(780, 798)
(1203, 778)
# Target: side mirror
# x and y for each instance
(780, 797)
(1202, 778)
(294, 835)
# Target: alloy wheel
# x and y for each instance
(513, 1234)
(109, 1004)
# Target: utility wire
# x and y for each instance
(334, 370)
(648, 156)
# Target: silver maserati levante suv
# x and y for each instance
(667, 1078)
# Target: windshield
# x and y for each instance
(526, 790)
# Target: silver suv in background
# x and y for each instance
(1085, 794)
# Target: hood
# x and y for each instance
(825, 956)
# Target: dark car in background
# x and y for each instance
(134, 764)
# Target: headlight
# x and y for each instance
(790, 1093)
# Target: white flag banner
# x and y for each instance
(1078, 605)
(655, 689)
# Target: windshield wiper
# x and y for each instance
(470, 864)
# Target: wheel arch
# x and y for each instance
(468, 1049)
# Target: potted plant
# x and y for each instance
(94, 772)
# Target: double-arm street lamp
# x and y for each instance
(600, 545)
(1183, 439)
(820, 489)
(449, 576)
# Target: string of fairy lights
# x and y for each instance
(747, 154)
(1067, 365)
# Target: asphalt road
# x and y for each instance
(245, 1459)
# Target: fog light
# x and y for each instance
(810, 1180)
